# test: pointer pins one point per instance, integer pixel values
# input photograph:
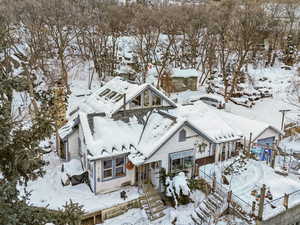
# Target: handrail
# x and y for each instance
(147, 199)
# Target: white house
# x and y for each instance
(126, 133)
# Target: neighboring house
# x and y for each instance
(258, 132)
(178, 80)
(126, 133)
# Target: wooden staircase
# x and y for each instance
(211, 207)
(152, 203)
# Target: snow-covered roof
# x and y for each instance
(67, 129)
(204, 119)
(212, 96)
(115, 137)
(110, 98)
(177, 72)
(245, 125)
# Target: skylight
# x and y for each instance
(106, 91)
(111, 94)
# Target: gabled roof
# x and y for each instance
(247, 126)
(207, 122)
(184, 73)
(110, 98)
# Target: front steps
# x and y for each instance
(209, 209)
(152, 203)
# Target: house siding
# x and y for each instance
(73, 146)
(173, 145)
(269, 132)
(112, 184)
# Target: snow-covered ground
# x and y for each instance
(182, 213)
(253, 176)
(49, 190)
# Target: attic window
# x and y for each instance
(104, 92)
(182, 135)
(156, 100)
(136, 101)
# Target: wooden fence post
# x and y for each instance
(261, 202)
(286, 201)
(253, 207)
(249, 145)
(273, 157)
(214, 184)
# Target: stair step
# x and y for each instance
(210, 206)
(156, 203)
(158, 209)
(157, 216)
(200, 215)
(196, 220)
(212, 202)
(217, 196)
(206, 211)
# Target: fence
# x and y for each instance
(101, 215)
(276, 206)
(242, 207)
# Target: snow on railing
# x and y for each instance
(276, 206)
(243, 207)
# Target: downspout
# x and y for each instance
(124, 104)
(94, 177)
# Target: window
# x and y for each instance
(111, 94)
(104, 92)
(136, 101)
(156, 100)
(181, 160)
(114, 168)
(120, 169)
(182, 135)
(107, 169)
(118, 98)
(146, 98)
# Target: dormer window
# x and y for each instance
(182, 135)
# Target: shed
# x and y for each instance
(179, 80)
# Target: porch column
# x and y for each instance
(226, 150)
(217, 153)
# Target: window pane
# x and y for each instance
(107, 164)
(120, 161)
(182, 135)
(156, 100)
(146, 98)
(176, 164)
(120, 171)
(188, 162)
(107, 173)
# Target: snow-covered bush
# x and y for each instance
(178, 189)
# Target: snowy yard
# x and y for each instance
(49, 190)
(138, 217)
(253, 176)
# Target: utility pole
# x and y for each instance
(283, 111)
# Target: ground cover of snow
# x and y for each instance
(267, 109)
(253, 176)
(139, 217)
(48, 190)
(183, 212)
